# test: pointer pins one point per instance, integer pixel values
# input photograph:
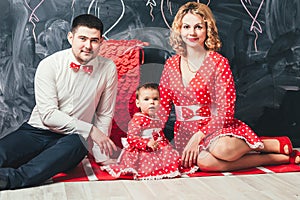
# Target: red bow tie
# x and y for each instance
(86, 68)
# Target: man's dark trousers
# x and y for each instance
(29, 156)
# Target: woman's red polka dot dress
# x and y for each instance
(207, 103)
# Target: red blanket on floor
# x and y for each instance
(88, 170)
(126, 55)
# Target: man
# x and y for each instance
(75, 92)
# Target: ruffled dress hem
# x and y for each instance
(136, 175)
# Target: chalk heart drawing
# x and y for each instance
(33, 18)
(168, 4)
(255, 25)
(118, 20)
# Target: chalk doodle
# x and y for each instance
(118, 20)
(32, 17)
(162, 11)
(255, 25)
(151, 3)
(169, 6)
(96, 10)
(208, 2)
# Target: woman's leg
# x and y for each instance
(207, 162)
(229, 148)
(230, 153)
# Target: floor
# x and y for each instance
(264, 186)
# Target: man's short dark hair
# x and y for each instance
(87, 20)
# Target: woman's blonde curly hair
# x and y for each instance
(212, 41)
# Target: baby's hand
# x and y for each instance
(156, 136)
(152, 144)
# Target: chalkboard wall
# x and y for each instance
(261, 39)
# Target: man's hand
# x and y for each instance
(191, 150)
(106, 145)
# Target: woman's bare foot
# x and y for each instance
(295, 157)
(280, 144)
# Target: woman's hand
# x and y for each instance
(191, 150)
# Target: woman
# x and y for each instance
(198, 81)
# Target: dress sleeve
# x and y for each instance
(134, 138)
(165, 94)
(223, 98)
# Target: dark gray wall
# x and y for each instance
(260, 38)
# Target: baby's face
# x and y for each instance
(148, 101)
